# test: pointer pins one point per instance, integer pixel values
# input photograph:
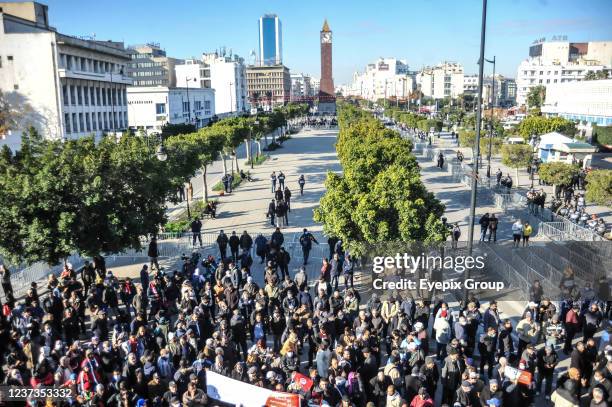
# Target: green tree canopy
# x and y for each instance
(557, 173)
(603, 135)
(379, 197)
(517, 156)
(539, 125)
(536, 96)
(599, 187)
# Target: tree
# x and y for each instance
(536, 96)
(538, 125)
(83, 196)
(379, 197)
(517, 156)
(599, 187)
(557, 173)
(467, 138)
(211, 143)
(170, 129)
(603, 135)
(593, 76)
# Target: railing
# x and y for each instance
(566, 230)
(507, 273)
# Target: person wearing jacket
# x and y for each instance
(234, 244)
(222, 241)
(153, 254)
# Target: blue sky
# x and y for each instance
(421, 31)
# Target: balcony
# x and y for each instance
(95, 76)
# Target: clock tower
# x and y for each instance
(327, 98)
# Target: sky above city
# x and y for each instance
(423, 32)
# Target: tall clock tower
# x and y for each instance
(327, 98)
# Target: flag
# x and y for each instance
(303, 382)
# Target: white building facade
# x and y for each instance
(300, 87)
(68, 87)
(560, 62)
(228, 79)
(443, 80)
(385, 78)
(584, 101)
(150, 108)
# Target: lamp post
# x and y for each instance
(492, 107)
(470, 242)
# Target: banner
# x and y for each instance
(523, 376)
(235, 392)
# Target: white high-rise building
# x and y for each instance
(67, 86)
(443, 80)
(560, 61)
(228, 79)
(219, 71)
(385, 78)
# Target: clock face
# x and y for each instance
(326, 37)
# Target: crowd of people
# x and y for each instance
(151, 342)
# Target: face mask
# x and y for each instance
(290, 354)
(117, 377)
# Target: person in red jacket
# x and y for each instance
(87, 380)
(572, 326)
(422, 399)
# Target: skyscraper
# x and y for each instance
(270, 40)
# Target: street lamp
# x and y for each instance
(492, 107)
(470, 242)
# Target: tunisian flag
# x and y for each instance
(303, 382)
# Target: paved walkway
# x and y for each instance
(309, 152)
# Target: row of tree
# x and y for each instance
(58, 197)
(380, 196)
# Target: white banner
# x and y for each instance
(242, 394)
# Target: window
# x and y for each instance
(65, 94)
(86, 95)
(160, 108)
(98, 96)
(547, 80)
(72, 95)
(87, 124)
(79, 96)
(100, 121)
(9, 57)
(207, 104)
(185, 106)
(16, 87)
(93, 96)
(81, 122)
(198, 105)
(75, 128)
(540, 81)
(67, 122)
(94, 122)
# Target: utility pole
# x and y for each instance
(481, 61)
(492, 108)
